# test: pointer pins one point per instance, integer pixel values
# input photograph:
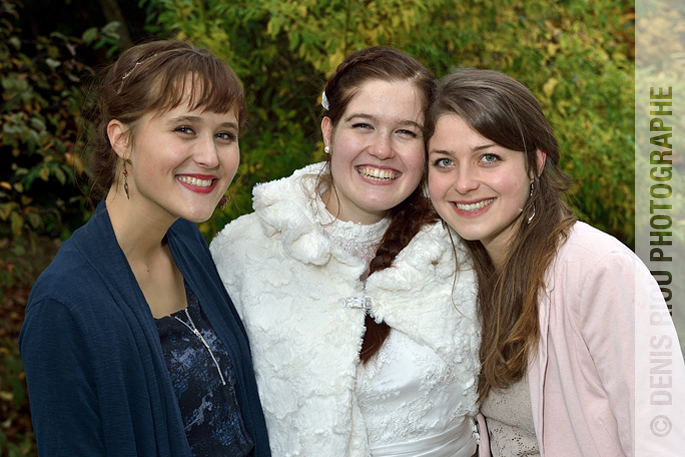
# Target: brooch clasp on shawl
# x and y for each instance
(356, 302)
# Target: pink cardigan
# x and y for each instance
(583, 380)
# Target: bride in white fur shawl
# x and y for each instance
(363, 324)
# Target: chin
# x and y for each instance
(382, 204)
(199, 215)
(464, 234)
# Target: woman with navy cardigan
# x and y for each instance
(130, 344)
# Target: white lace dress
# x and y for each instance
(411, 404)
(409, 407)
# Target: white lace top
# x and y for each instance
(510, 420)
(411, 404)
(357, 239)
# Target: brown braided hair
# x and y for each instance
(407, 218)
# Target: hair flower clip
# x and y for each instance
(324, 101)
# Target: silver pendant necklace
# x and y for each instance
(194, 329)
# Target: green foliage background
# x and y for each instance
(661, 64)
(576, 56)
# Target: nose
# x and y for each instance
(207, 153)
(382, 147)
(466, 180)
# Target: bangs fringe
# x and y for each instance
(213, 86)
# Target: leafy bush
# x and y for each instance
(660, 64)
(577, 57)
(41, 198)
(41, 113)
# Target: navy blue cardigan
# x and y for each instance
(98, 383)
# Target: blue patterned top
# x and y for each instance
(203, 380)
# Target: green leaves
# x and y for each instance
(40, 116)
(576, 57)
(107, 37)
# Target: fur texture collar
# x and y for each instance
(287, 281)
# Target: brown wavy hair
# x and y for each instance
(152, 77)
(504, 111)
(407, 218)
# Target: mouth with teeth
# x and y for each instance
(203, 185)
(471, 207)
(377, 174)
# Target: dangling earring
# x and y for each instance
(532, 215)
(327, 149)
(532, 187)
(126, 181)
(223, 202)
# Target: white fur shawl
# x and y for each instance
(286, 280)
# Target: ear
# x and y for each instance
(326, 130)
(541, 158)
(119, 138)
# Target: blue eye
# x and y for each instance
(442, 163)
(408, 133)
(491, 158)
(184, 130)
(227, 136)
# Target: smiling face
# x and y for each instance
(478, 187)
(377, 151)
(181, 162)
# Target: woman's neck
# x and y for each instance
(498, 259)
(141, 237)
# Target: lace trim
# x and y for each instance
(356, 239)
(510, 420)
(408, 393)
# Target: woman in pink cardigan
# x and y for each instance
(565, 308)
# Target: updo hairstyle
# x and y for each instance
(407, 218)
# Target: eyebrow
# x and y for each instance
(186, 118)
(375, 119)
(198, 119)
(450, 153)
(440, 152)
